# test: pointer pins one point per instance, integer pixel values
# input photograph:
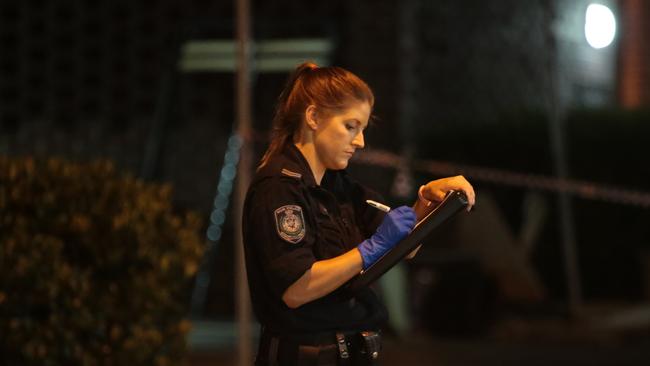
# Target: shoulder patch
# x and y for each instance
(289, 173)
(290, 223)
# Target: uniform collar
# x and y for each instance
(293, 154)
(330, 178)
(292, 163)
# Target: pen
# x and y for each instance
(378, 205)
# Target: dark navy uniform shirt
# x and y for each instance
(289, 223)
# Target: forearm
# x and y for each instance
(322, 278)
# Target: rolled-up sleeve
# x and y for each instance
(281, 232)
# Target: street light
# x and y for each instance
(600, 26)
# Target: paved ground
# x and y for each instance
(597, 340)
(426, 351)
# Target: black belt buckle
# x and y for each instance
(371, 344)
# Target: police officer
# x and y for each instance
(308, 230)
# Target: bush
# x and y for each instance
(95, 266)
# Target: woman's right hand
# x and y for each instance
(397, 224)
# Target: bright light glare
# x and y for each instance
(600, 26)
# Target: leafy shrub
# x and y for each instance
(94, 266)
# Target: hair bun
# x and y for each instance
(307, 65)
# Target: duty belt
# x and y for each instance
(351, 347)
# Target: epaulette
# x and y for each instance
(291, 174)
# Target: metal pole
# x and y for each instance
(408, 83)
(394, 281)
(557, 118)
(407, 69)
(243, 107)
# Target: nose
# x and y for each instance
(358, 141)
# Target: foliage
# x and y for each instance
(94, 266)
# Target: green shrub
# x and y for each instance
(95, 266)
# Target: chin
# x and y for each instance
(338, 165)
(342, 164)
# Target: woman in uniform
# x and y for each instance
(308, 229)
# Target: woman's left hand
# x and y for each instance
(436, 190)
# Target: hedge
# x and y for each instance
(95, 266)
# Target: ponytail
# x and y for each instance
(282, 125)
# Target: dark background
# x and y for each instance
(467, 82)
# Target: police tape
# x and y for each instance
(583, 189)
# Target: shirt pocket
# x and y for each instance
(330, 239)
(350, 225)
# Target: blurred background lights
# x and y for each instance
(600, 26)
(224, 189)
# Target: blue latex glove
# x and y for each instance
(395, 227)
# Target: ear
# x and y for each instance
(311, 118)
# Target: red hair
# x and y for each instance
(330, 89)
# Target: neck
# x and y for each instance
(308, 150)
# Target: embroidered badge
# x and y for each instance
(290, 223)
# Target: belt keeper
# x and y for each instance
(343, 347)
(372, 342)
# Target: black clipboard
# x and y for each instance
(453, 203)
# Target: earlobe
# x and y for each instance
(310, 117)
